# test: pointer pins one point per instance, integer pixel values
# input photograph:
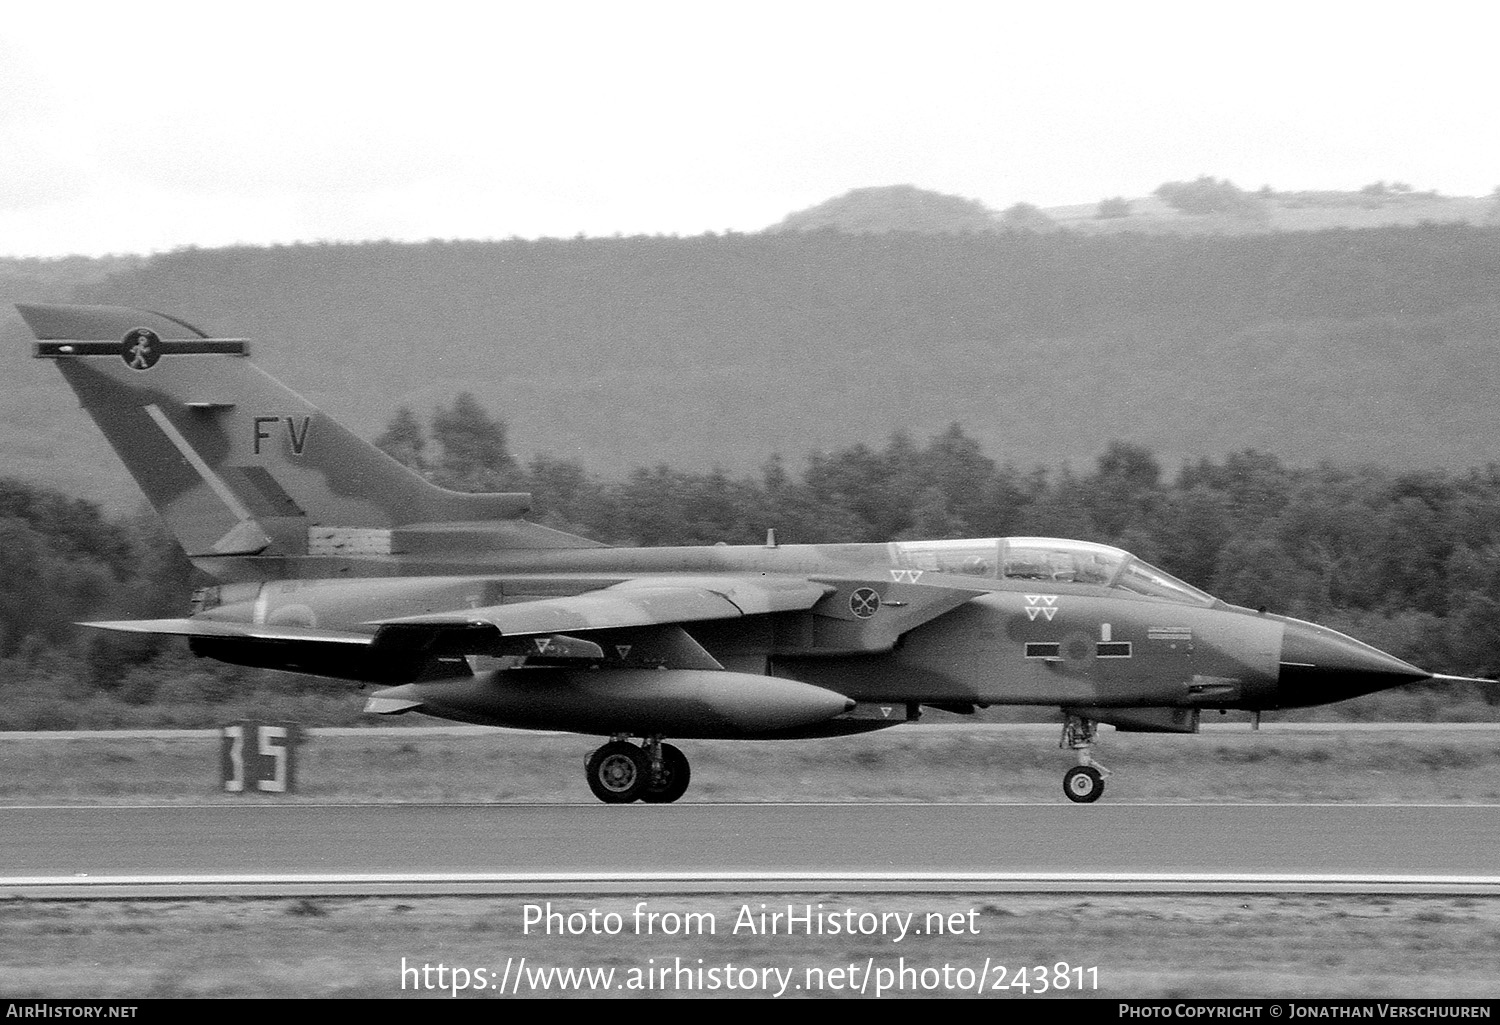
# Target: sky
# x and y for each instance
(149, 126)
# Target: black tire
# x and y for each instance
(1083, 784)
(618, 772)
(674, 778)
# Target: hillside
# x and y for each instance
(1375, 345)
(892, 208)
(908, 208)
(1288, 211)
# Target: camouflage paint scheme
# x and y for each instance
(333, 559)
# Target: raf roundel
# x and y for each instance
(141, 349)
(864, 602)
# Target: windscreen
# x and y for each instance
(1045, 559)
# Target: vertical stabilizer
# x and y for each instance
(235, 462)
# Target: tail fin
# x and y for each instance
(235, 462)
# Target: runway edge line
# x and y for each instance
(122, 887)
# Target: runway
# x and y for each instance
(268, 849)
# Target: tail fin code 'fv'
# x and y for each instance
(235, 462)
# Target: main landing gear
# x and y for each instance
(1084, 782)
(653, 772)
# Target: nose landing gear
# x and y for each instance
(654, 773)
(1084, 782)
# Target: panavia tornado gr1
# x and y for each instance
(333, 559)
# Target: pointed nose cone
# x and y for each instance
(1319, 665)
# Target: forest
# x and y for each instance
(1407, 560)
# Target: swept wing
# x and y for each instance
(645, 601)
(645, 604)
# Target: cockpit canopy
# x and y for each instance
(1049, 559)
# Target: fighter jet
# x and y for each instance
(330, 558)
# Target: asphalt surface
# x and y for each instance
(745, 842)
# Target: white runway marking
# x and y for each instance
(432, 883)
(253, 804)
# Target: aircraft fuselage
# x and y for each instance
(875, 637)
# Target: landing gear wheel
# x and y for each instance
(618, 772)
(1083, 784)
(672, 782)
